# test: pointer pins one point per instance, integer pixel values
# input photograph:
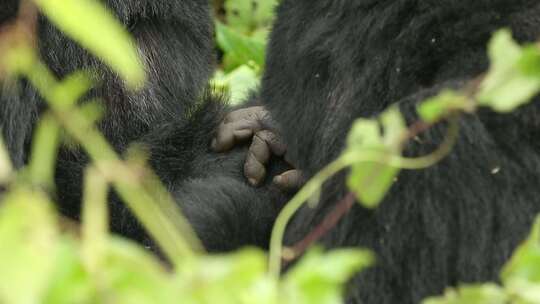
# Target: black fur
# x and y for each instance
(171, 115)
(333, 61)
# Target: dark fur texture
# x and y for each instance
(171, 115)
(333, 61)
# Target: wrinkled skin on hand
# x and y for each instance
(250, 123)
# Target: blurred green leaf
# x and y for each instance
(371, 180)
(475, 294)
(265, 12)
(529, 63)
(239, 15)
(28, 244)
(508, 84)
(525, 262)
(69, 281)
(437, 107)
(229, 279)
(239, 83)
(6, 168)
(241, 48)
(131, 275)
(248, 16)
(394, 128)
(94, 27)
(318, 278)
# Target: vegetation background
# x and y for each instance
(242, 28)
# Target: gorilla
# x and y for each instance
(330, 62)
(174, 116)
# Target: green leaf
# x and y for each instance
(394, 128)
(265, 12)
(130, 274)
(508, 83)
(371, 180)
(525, 262)
(318, 278)
(474, 294)
(247, 16)
(364, 133)
(69, 281)
(239, 14)
(240, 48)
(28, 244)
(94, 27)
(6, 168)
(437, 107)
(229, 279)
(239, 83)
(529, 63)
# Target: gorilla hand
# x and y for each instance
(241, 125)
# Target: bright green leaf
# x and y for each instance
(265, 12)
(394, 127)
(6, 168)
(69, 281)
(529, 63)
(371, 180)
(229, 279)
(508, 84)
(364, 133)
(474, 294)
(241, 48)
(239, 14)
(318, 278)
(28, 244)
(239, 83)
(437, 107)
(132, 275)
(248, 16)
(525, 263)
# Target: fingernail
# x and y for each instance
(252, 181)
(278, 179)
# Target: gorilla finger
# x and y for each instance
(275, 143)
(224, 139)
(252, 113)
(242, 135)
(260, 149)
(254, 170)
(229, 134)
(289, 181)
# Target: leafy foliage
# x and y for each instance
(241, 33)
